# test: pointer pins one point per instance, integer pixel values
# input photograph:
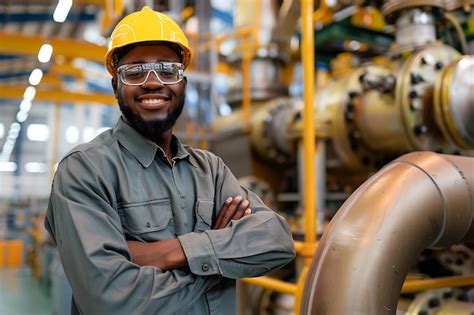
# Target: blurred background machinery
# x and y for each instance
(392, 77)
(407, 86)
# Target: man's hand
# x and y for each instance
(165, 254)
(233, 209)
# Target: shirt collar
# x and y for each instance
(143, 149)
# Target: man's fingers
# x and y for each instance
(230, 211)
(222, 212)
(239, 213)
(247, 212)
(227, 212)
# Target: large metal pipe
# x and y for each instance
(420, 200)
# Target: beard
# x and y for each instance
(155, 127)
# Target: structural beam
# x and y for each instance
(30, 45)
(60, 96)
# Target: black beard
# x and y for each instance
(151, 128)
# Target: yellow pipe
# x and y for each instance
(307, 52)
(273, 284)
(67, 69)
(12, 92)
(241, 32)
(411, 286)
(305, 249)
(30, 45)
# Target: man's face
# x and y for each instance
(152, 107)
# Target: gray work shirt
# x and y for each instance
(120, 186)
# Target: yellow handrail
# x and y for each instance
(417, 285)
(274, 284)
(309, 148)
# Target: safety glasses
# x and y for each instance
(137, 74)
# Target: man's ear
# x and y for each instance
(114, 85)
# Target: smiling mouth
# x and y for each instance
(153, 103)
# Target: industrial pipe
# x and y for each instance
(420, 200)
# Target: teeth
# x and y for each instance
(153, 101)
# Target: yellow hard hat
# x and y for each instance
(144, 26)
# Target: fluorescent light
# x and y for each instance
(45, 52)
(7, 166)
(35, 167)
(21, 116)
(8, 147)
(14, 130)
(37, 132)
(25, 106)
(29, 94)
(72, 134)
(36, 76)
(62, 10)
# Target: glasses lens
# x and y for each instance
(133, 74)
(167, 72)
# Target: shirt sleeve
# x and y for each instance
(93, 250)
(249, 247)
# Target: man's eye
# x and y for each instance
(133, 74)
(167, 73)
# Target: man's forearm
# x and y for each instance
(166, 254)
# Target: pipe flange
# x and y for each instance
(453, 101)
(414, 93)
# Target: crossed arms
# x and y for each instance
(169, 254)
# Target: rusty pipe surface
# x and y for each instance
(420, 200)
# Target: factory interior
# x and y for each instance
(352, 119)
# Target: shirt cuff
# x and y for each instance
(200, 254)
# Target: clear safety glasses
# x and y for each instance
(137, 74)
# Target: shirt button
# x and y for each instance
(205, 267)
(148, 225)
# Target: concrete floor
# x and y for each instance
(22, 294)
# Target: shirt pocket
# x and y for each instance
(204, 213)
(150, 220)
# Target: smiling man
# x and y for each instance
(143, 223)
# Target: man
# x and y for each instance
(143, 223)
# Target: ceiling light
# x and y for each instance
(72, 134)
(14, 131)
(35, 167)
(29, 94)
(37, 132)
(36, 76)
(7, 166)
(21, 116)
(45, 52)
(62, 10)
(25, 106)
